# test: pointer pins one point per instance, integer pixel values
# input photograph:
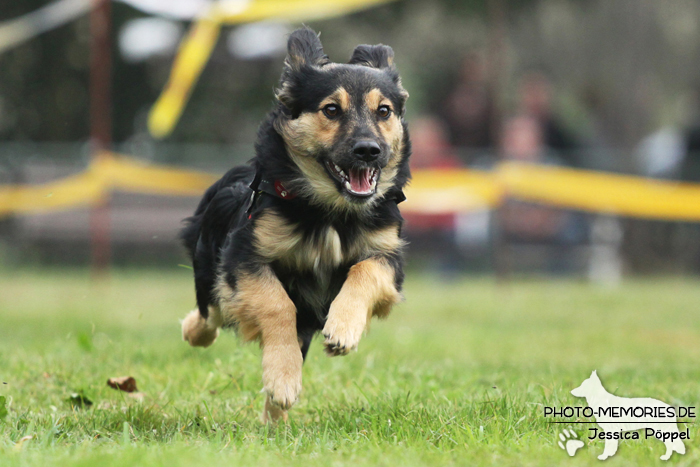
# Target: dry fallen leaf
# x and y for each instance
(123, 383)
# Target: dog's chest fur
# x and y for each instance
(320, 248)
(312, 262)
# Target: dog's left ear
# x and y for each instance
(380, 57)
(375, 56)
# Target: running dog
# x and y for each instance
(307, 237)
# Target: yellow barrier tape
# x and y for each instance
(431, 191)
(79, 190)
(135, 176)
(193, 55)
(449, 191)
(108, 172)
(197, 46)
(602, 192)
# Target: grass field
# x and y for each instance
(458, 374)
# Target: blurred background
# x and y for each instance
(596, 87)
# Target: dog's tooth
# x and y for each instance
(347, 185)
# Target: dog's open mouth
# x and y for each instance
(360, 182)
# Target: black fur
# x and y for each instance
(219, 236)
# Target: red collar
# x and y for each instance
(281, 191)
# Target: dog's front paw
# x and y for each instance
(282, 375)
(343, 331)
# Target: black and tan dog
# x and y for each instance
(307, 238)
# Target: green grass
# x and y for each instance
(458, 374)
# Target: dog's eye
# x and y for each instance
(384, 111)
(331, 111)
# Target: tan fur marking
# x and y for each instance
(277, 240)
(274, 237)
(312, 131)
(263, 311)
(374, 98)
(340, 97)
(334, 245)
(392, 131)
(386, 240)
(369, 290)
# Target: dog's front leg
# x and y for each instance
(368, 290)
(264, 311)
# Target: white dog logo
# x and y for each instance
(617, 415)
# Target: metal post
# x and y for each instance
(100, 124)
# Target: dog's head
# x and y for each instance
(343, 124)
(589, 387)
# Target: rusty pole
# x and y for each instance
(100, 124)
(498, 37)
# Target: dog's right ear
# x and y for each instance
(304, 48)
(304, 52)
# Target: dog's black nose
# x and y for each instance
(366, 150)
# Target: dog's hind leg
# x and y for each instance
(199, 331)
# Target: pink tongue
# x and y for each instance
(360, 180)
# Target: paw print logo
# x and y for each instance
(569, 441)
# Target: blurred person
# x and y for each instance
(672, 152)
(469, 108)
(689, 167)
(661, 154)
(430, 145)
(432, 235)
(535, 100)
(523, 140)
